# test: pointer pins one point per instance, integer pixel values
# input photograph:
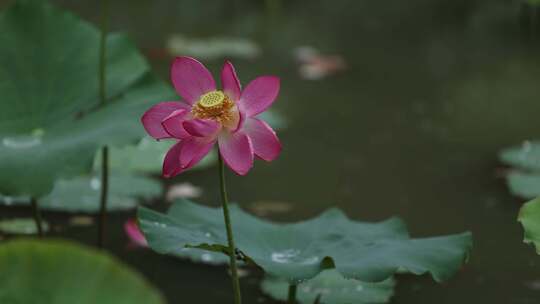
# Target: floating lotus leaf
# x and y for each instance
(529, 217)
(332, 288)
(526, 156)
(82, 193)
(50, 127)
(137, 239)
(526, 185)
(21, 226)
(524, 181)
(61, 272)
(364, 251)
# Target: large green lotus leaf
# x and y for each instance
(364, 251)
(332, 288)
(526, 185)
(49, 66)
(82, 193)
(48, 79)
(526, 156)
(61, 272)
(21, 226)
(68, 148)
(529, 216)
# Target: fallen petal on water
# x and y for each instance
(183, 190)
(315, 66)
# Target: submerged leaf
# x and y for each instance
(299, 251)
(529, 217)
(81, 194)
(61, 272)
(332, 288)
(21, 226)
(49, 125)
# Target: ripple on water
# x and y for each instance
(284, 256)
(293, 255)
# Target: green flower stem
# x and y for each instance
(232, 247)
(37, 216)
(291, 299)
(102, 100)
(103, 197)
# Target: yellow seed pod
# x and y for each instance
(212, 99)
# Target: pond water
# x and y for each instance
(431, 91)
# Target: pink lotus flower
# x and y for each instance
(208, 115)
